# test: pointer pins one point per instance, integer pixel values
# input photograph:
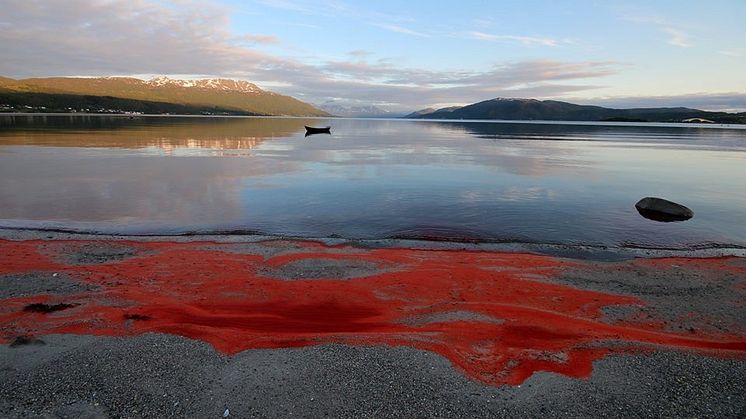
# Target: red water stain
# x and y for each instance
(521, 323)
(23, 256)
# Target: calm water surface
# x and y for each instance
(548, 182)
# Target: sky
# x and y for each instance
(400, 56)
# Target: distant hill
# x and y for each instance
(552, 110)
(357, 111)
(158, 95)
(432, 111)
(421, 112)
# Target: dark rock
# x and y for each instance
(47, 308)
(659, 209)
(26, 340)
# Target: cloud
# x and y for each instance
(400, 29)
(123, 37)
(734, 52)
(676, 35)
(359, 53)
(382, 83)
(259, 39)
(81, 37)
(725, 102)
(525, 40)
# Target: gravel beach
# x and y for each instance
(655, 337)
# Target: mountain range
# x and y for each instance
(157, 96)
(162, 95)
(337, 108)
(552, 110)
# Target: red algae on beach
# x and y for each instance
(498, 317)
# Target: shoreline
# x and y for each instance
(599, 252)
(496, 121)
(465, 329)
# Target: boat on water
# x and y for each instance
(317, 130)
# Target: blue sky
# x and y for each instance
(399, 55)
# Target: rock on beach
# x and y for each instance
(660, 209)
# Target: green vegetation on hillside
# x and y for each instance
(552, 110)
(51, 102)
(121, 94)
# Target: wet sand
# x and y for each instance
(269, 327)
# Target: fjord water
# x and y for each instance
(523, 182)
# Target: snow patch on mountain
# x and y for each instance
(213, 84)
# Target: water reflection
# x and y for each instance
(145, 132)
(372, 178)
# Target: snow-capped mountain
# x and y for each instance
(216, 84)
(161, 95)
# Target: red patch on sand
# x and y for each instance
(491, 314)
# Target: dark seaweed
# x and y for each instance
(136, 317)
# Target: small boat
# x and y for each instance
(317, 130)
